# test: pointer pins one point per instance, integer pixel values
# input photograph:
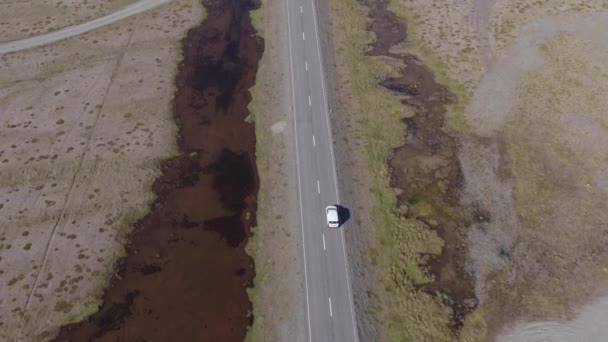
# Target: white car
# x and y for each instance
(332, 216)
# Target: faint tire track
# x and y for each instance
(61, 216)
(75, 30)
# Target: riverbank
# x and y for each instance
(276, 242)
(78, 158)
(186, 273)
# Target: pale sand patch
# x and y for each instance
(496, 93)
(540, 172)
(557, 147)
(462, 39)
(85, 122)
(278, 127)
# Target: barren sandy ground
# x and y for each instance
(84, 123)
(534, 131)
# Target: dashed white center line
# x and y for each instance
(330, 313)
(318, 187)
(306, 65)
(314, 143)
(323, 241)
(303, 36)
(300, 9)
(309, 101)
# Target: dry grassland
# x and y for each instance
(85, 122)
(529, 77)
(23, 19)
(533, 127)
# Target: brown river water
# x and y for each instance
(186, 271)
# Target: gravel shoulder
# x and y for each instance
(78, 158)
(279, 306)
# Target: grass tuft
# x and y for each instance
(409, 314)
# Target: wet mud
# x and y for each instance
(186, 271)
(425, 171)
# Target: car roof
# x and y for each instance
(332, 213)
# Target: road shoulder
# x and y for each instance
(278, 292)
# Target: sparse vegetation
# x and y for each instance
(272, 245)
(95, 150)
(411, 315)
(539, 176)
(536, 172)
(254, 242)
(556, 146)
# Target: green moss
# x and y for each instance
(475, 328)
(250, 118)
(531, 187)
(411, 315)
(539, 304)
(81, 311)
(254, 244)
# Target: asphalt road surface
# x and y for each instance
(329, 301)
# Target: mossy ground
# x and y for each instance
(409, 314)
(548, 156)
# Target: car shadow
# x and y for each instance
(343, 214)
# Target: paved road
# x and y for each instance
(75, 30)
(330, 312)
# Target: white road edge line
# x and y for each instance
(349, 290)
(314, 143)
(323, 241)
(331, 314)
(295, 125)
(318, 187)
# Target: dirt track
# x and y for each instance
(75, 30)
(78, 159)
